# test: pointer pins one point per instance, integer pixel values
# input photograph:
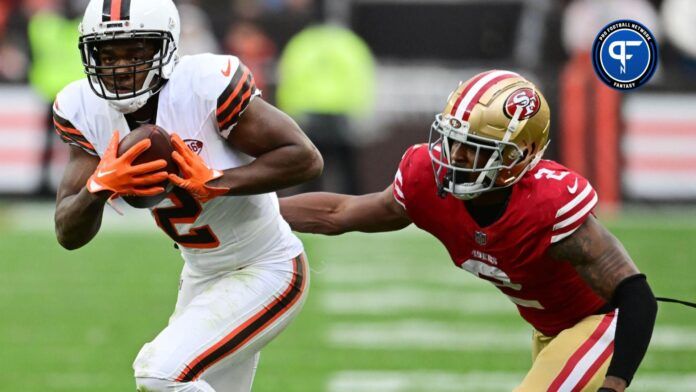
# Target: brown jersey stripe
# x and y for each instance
(247, 90)
(58, 118)
(251, 327)
(239, 81)
(78, 138)
(234, 115)
(69, 134)
(67, 129)
(83, 145)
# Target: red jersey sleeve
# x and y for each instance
(239, 92)
(573, 199)
(401, 179)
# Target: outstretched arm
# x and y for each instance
(333, 214)
(605, 265)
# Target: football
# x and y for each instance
(160, 148)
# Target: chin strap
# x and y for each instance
(676, 301)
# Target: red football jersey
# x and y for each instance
(548, 204)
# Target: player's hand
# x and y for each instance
(196, 174)
(119, 177)
(613, 384)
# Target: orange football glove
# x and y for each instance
(118, 175)
(196, 173)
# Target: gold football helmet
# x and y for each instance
(503, 120)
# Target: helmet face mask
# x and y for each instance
(490, 158)
(114, 80)
(129, 78)
(492, 131)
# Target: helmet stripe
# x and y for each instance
(106, 11)
(464, 89)
(125, 9)
(475, 90)
(115, 10)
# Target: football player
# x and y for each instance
(245, 276)
(522, 223)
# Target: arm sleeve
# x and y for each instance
(232, 102)
(637, 312)
(69, 133)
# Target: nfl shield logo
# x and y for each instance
(480, 237)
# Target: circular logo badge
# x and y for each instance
(454, 123)
(524, 98)
(624, 54)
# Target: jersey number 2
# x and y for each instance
(185, 211)
(554, 175)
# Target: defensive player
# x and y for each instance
(522, 223)
(245, 276)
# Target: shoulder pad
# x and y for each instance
(67, 116)
(404, 173)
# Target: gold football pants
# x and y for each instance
(575, 360)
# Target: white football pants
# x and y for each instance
(220, 324)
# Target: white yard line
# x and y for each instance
(427, 335)
(437, 272)
(421, 381)
(417, 334)
(399, 300)
(433, 381)
(39, 217)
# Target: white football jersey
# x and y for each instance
(202, 102)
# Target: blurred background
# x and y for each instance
(364, 78)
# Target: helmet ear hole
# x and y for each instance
(525, 153)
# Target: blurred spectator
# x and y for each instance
(283, 19)
(13, 45)
(327, 78)
(196, 30)
(13, 67)
(53, 41)
(53, 37)
(290, 20)
(5, 10)
(247, 41)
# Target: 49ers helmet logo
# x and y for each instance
(527, 99)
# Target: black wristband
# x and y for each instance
(636, 319)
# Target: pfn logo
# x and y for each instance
(621, 55)
(624, 54)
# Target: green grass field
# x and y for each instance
(386, 313)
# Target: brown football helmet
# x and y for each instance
(504, 119)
